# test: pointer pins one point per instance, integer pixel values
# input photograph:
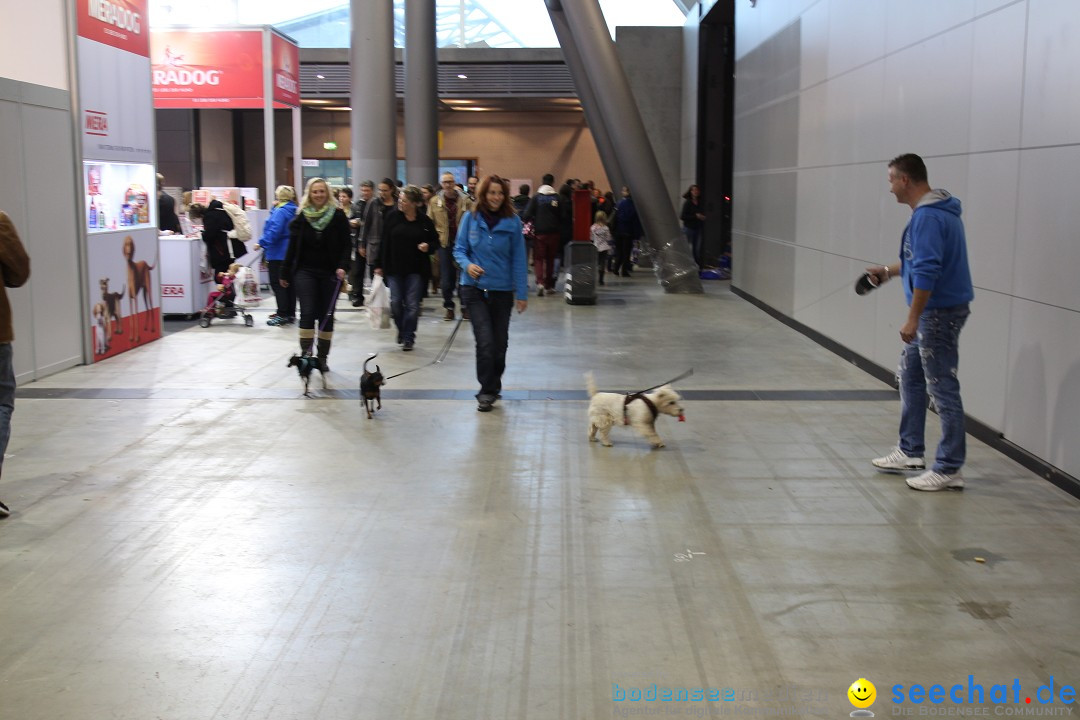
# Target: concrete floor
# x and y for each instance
(191, 538)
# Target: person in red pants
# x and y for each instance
(545, 212)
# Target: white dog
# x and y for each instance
(639, 410)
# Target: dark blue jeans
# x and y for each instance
(930, 364)
(448, 276)
(693, 236)
(285, 297)
(490, 313)
(315, 291)
(405, 292)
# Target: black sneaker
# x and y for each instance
(4, 510)
(485, 406)
(407, 346)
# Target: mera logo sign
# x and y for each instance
(97, 123)
(286, 83)
(115, 15)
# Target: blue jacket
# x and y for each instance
(933, 252)
(275, 235)
(626, 218)
(499, 250)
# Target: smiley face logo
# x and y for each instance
(862, 693)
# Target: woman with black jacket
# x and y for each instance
(693, 216)
(408, 241)
(221, 250)
(319, 247)
(216, 224)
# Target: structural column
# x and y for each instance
(421, 94)
(374, 105)
(268, 116)
(674, 265)
(600, 130)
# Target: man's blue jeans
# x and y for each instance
(929, 365)
(7, 397)
(405, 292)
(448, 276)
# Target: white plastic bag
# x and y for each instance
(377, 303)
(247, 287)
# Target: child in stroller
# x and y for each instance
(220, 302)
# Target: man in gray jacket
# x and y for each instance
(371, 235)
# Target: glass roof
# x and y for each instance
(487, 23)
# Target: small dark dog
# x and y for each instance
(370, 384)
(305, 365)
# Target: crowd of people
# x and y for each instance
(470, 245)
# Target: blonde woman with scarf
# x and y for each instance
(319, 247)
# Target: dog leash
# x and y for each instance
(440, 356)
(686, 374)
(333, 305)
(640, 395)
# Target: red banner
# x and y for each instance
(204, 69)
(123, 24)
(286, 64)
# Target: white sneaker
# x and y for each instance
(897, 461)
(933, 481)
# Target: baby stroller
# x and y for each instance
(237, 290)
(221, 302)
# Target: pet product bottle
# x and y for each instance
(93, 214)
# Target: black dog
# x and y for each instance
(305, 365)
(370, 382)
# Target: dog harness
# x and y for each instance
(638, 396)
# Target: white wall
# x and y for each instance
(987, 92)
(33, 46)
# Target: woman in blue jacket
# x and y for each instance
(491, 250)
(275, 242)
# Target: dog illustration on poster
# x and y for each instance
(102, 325)
(140, 282)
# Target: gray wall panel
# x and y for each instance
(767, 138)
(38, 157)
(13, 202)
(52, 238)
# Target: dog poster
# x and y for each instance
(124, 291)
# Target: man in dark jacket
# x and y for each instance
(627, 230)
(546, 214)
(521, 200)
(167, 220)
(358, 271)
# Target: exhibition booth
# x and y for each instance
(118, 180)
(233, 68)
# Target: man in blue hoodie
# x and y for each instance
(937, 284)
